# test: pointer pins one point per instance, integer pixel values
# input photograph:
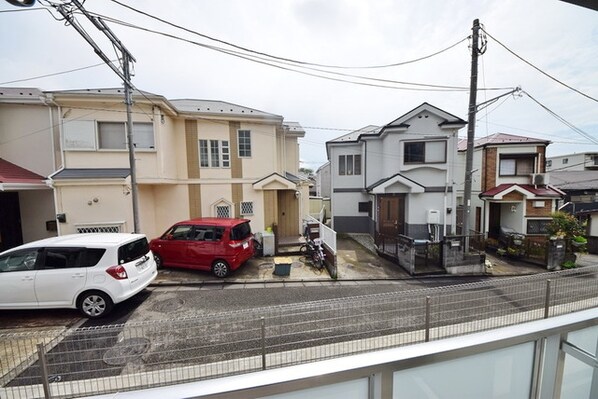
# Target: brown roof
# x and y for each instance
(11, 173)
(540, 191)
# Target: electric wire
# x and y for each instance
(54, 74)
(276, 64)
(540, 70)
(283, 58)
(563, 120)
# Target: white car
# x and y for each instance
(89, 272)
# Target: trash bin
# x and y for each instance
(268, 243)
(282, 266)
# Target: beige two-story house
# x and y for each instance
(194, 158)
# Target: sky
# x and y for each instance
(558, 38)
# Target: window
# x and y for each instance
(19, 261)
(214, 154)
(240, 232)
(63, 258)
(565, 161)
(222, 211)
(113, 135)
(180, 232)
(365, 207)
(349, 164)
(244, 143)
(203, 233)
(246, 208)
(425, 152)
(549, 163)
(538, 226)
(133, 251)
(516, 165)
(79, 135)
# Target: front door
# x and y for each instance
(391, 215)
(494, 220)
(288, 214)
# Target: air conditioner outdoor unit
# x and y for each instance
(539, 179)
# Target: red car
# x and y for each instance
(219, 245)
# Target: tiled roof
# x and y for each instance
(540, 191)
(501, 138)
(11, 173)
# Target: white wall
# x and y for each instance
(37, 207)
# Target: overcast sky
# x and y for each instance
(559, 38)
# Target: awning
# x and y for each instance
(89, 173)
(528, 190)
(16, 178)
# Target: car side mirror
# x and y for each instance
(169, 237)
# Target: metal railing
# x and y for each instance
(132, 356)
(327, 235)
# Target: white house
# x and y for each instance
(398, 178)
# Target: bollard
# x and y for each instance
(43, 366)
(263, 324)
(427, 339)
(547, 301)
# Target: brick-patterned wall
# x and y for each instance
(513, 196)
(530, 210)
(489, 168)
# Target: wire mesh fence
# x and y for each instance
(131, 356)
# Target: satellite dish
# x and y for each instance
(22, 3)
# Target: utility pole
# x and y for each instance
(65, 9)
(473, 88)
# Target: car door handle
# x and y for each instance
(78, 275)
(27, 278)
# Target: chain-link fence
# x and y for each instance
(132, 356)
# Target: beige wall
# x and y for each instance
(113, 205)
(37, 207)
(26, 137)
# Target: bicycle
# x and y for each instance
(312, 249)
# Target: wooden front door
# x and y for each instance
(391, 215)
(494, 220)
(288, 214)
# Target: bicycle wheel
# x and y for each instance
(317, 260)
(303, 250)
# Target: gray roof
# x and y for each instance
(501, 139)
(295, 128)
(21, 94)
(110, 91)
(210, 107)
(574, 180)
(354, 136)
(101, 173)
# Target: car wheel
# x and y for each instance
(158, 260)
(94, 304)
(220, 269)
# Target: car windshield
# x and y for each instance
(240, 232)
(133, 250)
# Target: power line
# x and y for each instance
(55, 73)
(540, 70)
(562, 120)
(283, 58)
(275, 64)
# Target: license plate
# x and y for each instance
(245, 245)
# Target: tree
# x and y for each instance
(564, 225)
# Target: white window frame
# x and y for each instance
(222, 203)
(221, 150)
(347, 165)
